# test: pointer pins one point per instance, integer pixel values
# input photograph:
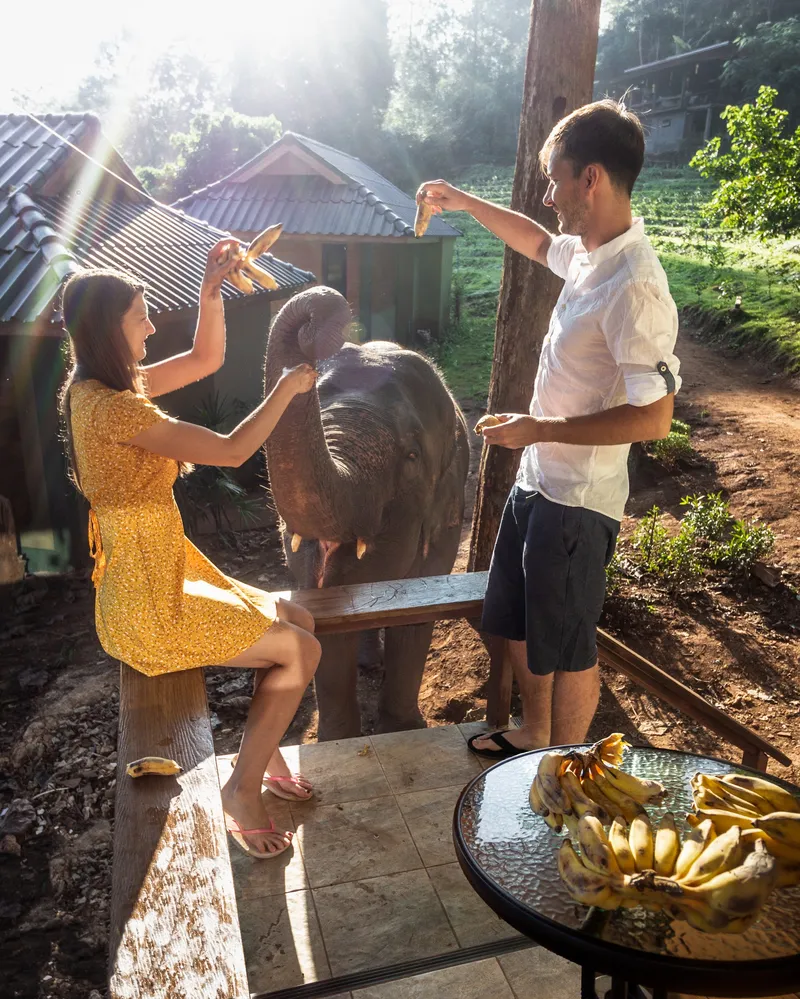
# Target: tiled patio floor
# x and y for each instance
(373, 879)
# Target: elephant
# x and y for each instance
(367, 472)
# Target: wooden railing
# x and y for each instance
(175, 932)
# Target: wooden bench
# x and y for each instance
(174, 923)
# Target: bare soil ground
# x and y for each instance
(735, 642)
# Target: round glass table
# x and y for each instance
(509, 856)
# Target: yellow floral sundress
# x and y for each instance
(160, 606)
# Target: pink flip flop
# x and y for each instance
(237, 834)
(273, 784)
(268, 781)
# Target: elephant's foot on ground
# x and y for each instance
(330, 731)
(393, 723)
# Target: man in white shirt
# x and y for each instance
(607, 377)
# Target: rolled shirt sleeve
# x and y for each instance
(641, 327)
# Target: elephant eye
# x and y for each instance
(412, 455)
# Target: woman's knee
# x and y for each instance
(294, 614)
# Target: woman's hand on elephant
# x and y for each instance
(513, 431)
(219, 263)
(442, 196)
(300, 379)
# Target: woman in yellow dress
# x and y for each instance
(161, 605)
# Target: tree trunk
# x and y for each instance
(559, 74)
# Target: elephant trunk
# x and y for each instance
(307, 481)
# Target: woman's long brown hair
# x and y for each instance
(93, 304)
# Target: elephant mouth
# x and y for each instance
(327, 548)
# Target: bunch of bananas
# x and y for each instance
(569, 786)
(718, 884)
(246, 270)
(766, 813)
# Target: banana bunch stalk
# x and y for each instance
(246, 271)
(767, 814)
(718, 884)
(569, 786)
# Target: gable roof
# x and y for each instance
(50, 229)
(313, 189)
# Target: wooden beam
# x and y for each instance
(174, 923)
(649, 676)
(362, 606)
(402, 601)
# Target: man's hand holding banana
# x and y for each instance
(511, 430)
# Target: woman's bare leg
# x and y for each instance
(294, 654)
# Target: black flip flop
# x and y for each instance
(506, 748)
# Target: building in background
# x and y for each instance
(346, 223)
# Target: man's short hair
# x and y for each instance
(604, 132)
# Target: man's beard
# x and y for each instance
(574, 221)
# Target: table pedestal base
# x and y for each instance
(620, 989)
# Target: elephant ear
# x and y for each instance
(327, 317)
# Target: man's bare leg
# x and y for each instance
(536, 693)
(575, 699)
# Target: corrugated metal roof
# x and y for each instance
(44, 239)
(365, 204)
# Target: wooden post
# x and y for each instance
(559, 73)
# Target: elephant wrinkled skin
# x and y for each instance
(369, 470)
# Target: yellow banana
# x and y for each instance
(710, 920)
(580, 802)
(780, 799)
(741, 891)
(595, 848)
(240, 282)
(422, 218)
(591, 790)
(693, 845)
(788, 873)
(263, 241)
(259, 275)
(554, 820)
(626, 806)
(484, 422)
(737, 800)
(608, 750)
(535, 798)
(153, 765)
(667, 846)
(618, 839)
(782, 826)
(641, 842)
(724, 820)
(585, 886)
(720, 855)
(778, 849)
(693, 820)
(550, 789)
(638, 788)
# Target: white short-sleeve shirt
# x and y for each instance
(610, 342)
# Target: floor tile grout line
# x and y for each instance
(508, 980)
(456, 937)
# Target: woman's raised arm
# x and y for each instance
(198, 445)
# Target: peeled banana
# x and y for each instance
(484, 422)
(423, 217)
(246, 270)
(153, 765)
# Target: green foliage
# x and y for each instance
(674, 446)
(214, 146)
(209, 490)
(675, 560)
(769, 53)
(708, 538)
(759, 179)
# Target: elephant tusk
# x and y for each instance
(296, 542)
(361, 548)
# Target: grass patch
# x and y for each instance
(741, 292)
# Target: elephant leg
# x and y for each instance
(335, 685)
(404, 655)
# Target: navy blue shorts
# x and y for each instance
(547, 580)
